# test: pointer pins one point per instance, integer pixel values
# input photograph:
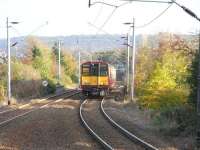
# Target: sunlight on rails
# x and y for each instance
(82, 144)
(7, 148)
(62, 106)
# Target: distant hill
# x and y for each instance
(89, 43)
(82, 42)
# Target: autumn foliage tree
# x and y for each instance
(166, 80)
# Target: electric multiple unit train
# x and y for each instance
(97, 78)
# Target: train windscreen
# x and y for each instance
(94, 70)
(90, 69)
(85, 70)
(103, 69)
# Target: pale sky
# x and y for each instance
(71, 17)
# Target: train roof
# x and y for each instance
(95, 62)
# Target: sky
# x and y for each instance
(73, 17)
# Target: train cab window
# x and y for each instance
(94, 69)
(85, 70)
(103, 70)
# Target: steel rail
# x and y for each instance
(98, 138)
(41, 107)
(28, 104)
(8, 110)
(131, 136)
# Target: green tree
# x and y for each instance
(56, 53)
(42, 61)
(68, 65)
(36, 52)
(192, 80)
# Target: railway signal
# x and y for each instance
(45, 83)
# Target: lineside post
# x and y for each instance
(133, 62)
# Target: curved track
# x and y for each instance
(126, 132)
(12, 114)
(102, 130)
(96, 136)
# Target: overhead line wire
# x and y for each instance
(111, 14)
(154, 19)
(151, 1)
(98, 28)
(98, 14)
(112, 40)
(107, 19)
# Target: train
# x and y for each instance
(97, 78)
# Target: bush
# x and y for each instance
(176, 120)
(26, 81)
(51, 87)
(167, 86)
(66, 80)
(160, 99)
(2, 92)
(74, 78)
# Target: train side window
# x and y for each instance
(103, 70)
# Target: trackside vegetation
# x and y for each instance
(166, 82)
(39, 64)
(165, 76)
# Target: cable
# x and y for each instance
(113, 40)
(98, 14)
(110, 16)
(103, 3)
(39, 27)
(187, 10)
(107, 19)
(152, 1)
(16, 31)
(98, 28)
(154, 19)
(124, 4)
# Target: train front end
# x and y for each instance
(95, 78)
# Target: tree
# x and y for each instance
(36, 52)
(192, 80)
(165, 84)
(68, 64)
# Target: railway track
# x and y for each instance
(9, 115)
(100, 126)
(129, 135)
(5, 109)
(102, 130)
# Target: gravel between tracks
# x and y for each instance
(104, 129)
(56, 127)
(135, 121)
